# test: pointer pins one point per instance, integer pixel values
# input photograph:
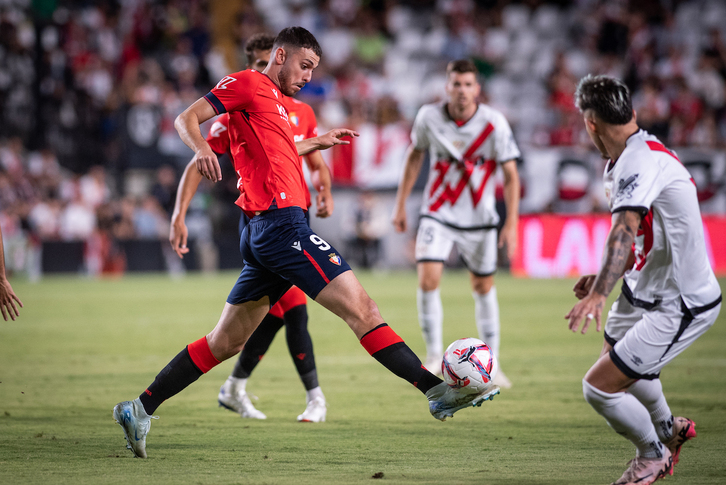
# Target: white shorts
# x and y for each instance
(645, 340)
(478, 248)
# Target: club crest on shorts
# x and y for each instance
(334, 258)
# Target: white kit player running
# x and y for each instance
(670, 295)
(467, 142)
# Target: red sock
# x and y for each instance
(390, 350)
(202, 355)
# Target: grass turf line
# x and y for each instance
(80, 346)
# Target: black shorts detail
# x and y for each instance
(478, 275)
(428, 260)
(645, 305)
(452, 226)
(628, 371)
(609, 339)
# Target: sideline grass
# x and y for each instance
(80, 346)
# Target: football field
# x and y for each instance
(80, 346)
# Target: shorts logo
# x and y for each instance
(636, 360)
(334, 258)
(296, 245)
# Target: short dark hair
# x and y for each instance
(461, 66)
(297, 37)
(608, 97)
(258, 42)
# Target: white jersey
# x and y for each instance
(670, 250)
(460, 189)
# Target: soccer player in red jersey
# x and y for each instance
(291, 310)
(278, 246)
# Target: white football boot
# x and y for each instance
(501, 380)
(238, 401)
(130, 415)
(314, 412)
(444, 400)
(433, 364)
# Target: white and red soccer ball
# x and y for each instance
(469, 365)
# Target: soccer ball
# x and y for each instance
(469, 365)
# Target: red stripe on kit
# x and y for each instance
(379, 339)
(315, 263)
(201, 355)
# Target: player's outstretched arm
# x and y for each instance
(187, 125)
(7, 295)
(320, 177)
(584, 284)
(508, 234)
(414, 161)
(188, 185)
(323, 142)
(618, 250)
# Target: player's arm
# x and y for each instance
(584, 284)
(618, 250)
(187, 188)
(508, 235)
(187, 125)
(323, 142)
(320, 176)
(412, 167)
(7, 295)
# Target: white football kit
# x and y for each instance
(459, 205)
(671, 296)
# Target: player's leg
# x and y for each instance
(310, 263)
(431, 312)
(234, 327)
(345, 297)
(478, 249)
(233, 393)
(300, 346)
(433, 245)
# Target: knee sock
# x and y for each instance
(255, 348)
(628, 417)
(390, 350)
(188, 365)
(486, 315)
(650, 394)
(300, 345)
(430, 318)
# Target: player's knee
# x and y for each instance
(596, 398)
(482, 285)
(428, 284)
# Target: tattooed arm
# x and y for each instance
(618, 251)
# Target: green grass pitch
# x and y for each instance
(80, 346)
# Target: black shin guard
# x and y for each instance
(172, 379)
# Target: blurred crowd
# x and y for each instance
(89, 90)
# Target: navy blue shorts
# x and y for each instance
(280, 250)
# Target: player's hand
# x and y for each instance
(508, 237)
(583, 286)
(207, 164)
(178, 234)
(399, 219)
(587, 309)
(334, 137)
(324, 203)
(8, 300)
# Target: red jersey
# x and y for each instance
(302, 121)
(260, 141)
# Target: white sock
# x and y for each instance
(628, 417)
(313, 393)
(237, 384)
(430, 318)
(650, 394)
(486, 315)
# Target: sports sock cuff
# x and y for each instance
(379, 338)
(201, 355)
